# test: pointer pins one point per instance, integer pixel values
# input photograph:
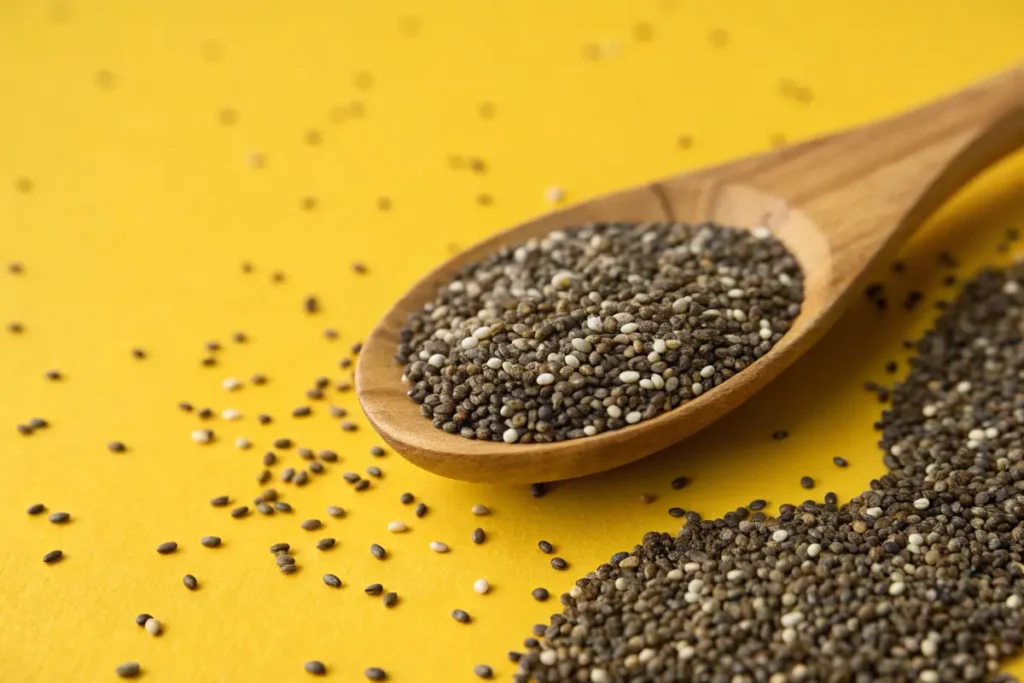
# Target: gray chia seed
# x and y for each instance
(917, 578)
(594, 328)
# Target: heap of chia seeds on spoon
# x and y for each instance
(917, 579)
(595, 328)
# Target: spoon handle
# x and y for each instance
(869, 188)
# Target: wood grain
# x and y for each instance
(839, 203)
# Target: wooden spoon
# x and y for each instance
(839, 204)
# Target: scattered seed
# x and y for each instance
(375, 674)
(421, 510)
(283, 559)
(55, 376)
(780, 434)
(397, 527)
(480, 510)
(807, 482)
(302, 411)
(263, 477)
(374, 589)
(143, 618)
(349, 426)
(335, 511)
(376, 451)
(205, 413)
(240, 511)
(481, 586)
(53, 556)
(538, 490)
(202, 435)
(310, 304)
(362, 485)
(279, 548)
(316, 467)
(138, 353)
(546, 547)
(328, 456)
(461, 616)
(231, 414)
(219, 501)
(390, 599)
(289, 569)
(439, 547)
(311, 524)
(378, 551)
(332, 581)
(59, 517)
(301, 478)
(167, 548)
(839, 461)
(406, 498)
(288, 474)
(483, 671)
(190, 582)
(479, 536)
(128, 670)
(283, 443)
(540, 594)
(758, 504)
(676, 512)
(36, 509)
(314, 667)
(116, 447)
(559, 564)
(325, 544)
(337, 411)
(282, 506)
(153, 626)
(374, 472)
(647, 498)
(210, 541)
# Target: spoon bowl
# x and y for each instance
(838, 203)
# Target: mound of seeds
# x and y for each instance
(919, 578)
(596, 327)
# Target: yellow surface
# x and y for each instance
(132, 207)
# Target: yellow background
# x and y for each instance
(141, 207)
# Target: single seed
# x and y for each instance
(349, 426)
(205, 413)
(153, 626)
(780, 434)
(301, 478)
(210, 541)
(283, 559)
(390, 599)
(311, 524)
(374, 471)
(406, 498)
(335, 511)
(282, 506)
(839, 461)
(540, 594)
(375, 674)
(53, 556)
(328, 456)
(545, 547)
(374, 589)
(240, 511)
(479, 510)
(325, 544)
(190, 582)
(314, 667)
(202, 435)
(376, 451)
(143, 618)
(362, 485)
(279, 548)
(332, 580)
(283, 443)
(316, 467)
(676, 512)
(138, 353)
(378, 551)
(302, 411)
(807, 482)
(483, 671)
(59, 517)
(439, 547)
(263, 477)
(128, 670)
(113, 446)
(758, 504)
(289, 569)
(559, 564)
(538, 490)
(481, 586)
(420, 510)
(55, 376)
(397, 527)
(680, 482)
(167, 548)
(219, 501)
(36, 509)
(461, 616)
(479, 536)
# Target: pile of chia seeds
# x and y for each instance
(595, 328)
(917, 579)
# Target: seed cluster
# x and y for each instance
(595, 328)
(918, 578)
